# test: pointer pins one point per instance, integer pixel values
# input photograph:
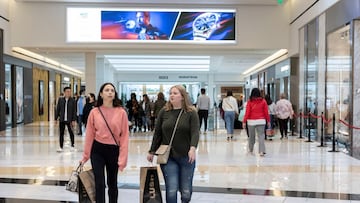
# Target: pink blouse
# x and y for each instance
(96, 129)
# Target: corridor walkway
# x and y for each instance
(292, 170)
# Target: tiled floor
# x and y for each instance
(291, 171)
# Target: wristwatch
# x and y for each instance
(204, 25)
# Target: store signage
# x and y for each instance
(188, 77)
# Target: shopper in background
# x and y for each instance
(256, 117)
(179, 170)
(90, 103)
(106, 142)
(203, 106)
(284, 111)
(272, 112)
(79, 110)
(133, 108)
(145, 112)
(230, 107)
(66, 115)
(159, 104)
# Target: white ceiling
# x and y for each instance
(199, 2)
(216, 60)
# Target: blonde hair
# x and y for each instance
(186, 104)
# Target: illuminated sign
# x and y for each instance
(140, 25)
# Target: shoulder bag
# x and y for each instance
(163, 151)
(108, 127)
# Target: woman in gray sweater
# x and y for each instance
(179, 170)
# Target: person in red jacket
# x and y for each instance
(256, 117)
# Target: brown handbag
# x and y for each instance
(163, 152)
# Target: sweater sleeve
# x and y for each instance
(90, 136)
(157, 138)
(124, 141)
(195, 126)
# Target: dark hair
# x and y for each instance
(161, 96)
(202, 90)
(92, 95)
(67, 88)
(268, 99)
(146, 98)
(132, 95)
(82, 91)
(229, 93)
(116, 102)
(255, 93)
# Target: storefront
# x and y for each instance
(330, 61)
(18, 95)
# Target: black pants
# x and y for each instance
(203, 114)
(62, 129)
(104, 155)
(283, 125)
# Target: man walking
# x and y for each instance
(203, 105)
(80, 107)
(66, 115)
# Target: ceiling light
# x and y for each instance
(53, 64)
(269, 59)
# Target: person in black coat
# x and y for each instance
(90, 103)
(66, 115)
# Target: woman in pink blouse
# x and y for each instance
(106, 142)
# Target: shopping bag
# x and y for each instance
(270, 132)
(72, 184)
(150, 191)
(86, 186)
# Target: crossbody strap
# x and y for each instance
(176, 124)
(108, 126)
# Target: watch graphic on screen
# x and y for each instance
(204, 25)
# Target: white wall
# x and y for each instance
(311, 14)
(299, 6)
(43, 25)
(4, 12)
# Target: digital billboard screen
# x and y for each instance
(117, 25)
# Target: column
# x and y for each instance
(321, 70)
(100, 63)
(356, 91)
(2, 83)
(301, 73)
(90, 72)
(211, 89)
(104, 73)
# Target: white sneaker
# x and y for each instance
(59, 150)
(73, 149)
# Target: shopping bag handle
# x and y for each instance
(80, 167)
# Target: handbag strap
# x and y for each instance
(176, 124)
(108, 126)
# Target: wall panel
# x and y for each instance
(39, 74)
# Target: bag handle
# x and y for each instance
(108, 126)
(176, 124)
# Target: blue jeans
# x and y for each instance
(229, 121)
(178, 175)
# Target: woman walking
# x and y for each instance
(179, 170)
(106, 142)
(256, 117)
(230, 107)
(284, 111)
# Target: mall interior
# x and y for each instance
(307, 49)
